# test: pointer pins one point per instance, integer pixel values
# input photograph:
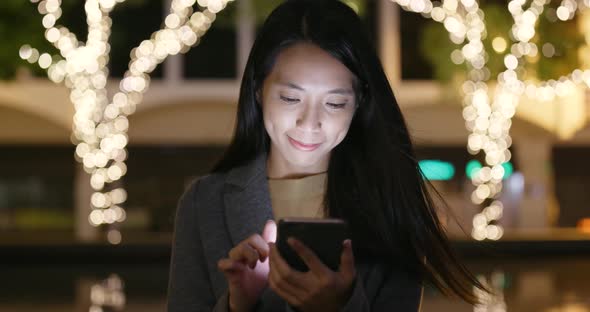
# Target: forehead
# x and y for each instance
(307, 64)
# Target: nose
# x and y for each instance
(309, 119)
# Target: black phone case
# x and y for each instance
(324, 239)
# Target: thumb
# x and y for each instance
(269, 234)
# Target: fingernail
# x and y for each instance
(291, 241)
(347, 243)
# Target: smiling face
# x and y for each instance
(308, 102)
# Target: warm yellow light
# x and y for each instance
(584, 225)
(563, 13)
(499, 44)
(510, 61)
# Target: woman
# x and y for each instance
(319, 134)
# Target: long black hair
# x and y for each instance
(374, 181)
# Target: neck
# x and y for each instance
(279, 170)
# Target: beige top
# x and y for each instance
(301, 197)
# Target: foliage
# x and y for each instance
(564, 36)
(21, 23)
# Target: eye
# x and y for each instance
(336, 105)
(289, 100)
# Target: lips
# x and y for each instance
(302, 146)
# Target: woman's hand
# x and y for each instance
(247, 268)
(319, 289)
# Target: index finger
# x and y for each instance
(309, 257)
(260, 245)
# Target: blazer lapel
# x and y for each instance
(247, 201)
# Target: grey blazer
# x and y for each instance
(220, 210)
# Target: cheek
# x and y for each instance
(340, 127)
(267, 119)
(277, 119)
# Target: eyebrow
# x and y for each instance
(342, 91)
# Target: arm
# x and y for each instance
(385, 289)
(189, 289)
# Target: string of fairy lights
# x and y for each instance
(495, 140)
(523, 31)
(490, 132)
(489, 118)
(100, 125)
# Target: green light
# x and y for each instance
(436, 170)
(472, 168)
(508, 169)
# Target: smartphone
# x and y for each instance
(323, 236)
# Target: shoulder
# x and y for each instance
(204, 185)
(199, 194)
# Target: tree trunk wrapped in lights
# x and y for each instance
(100, 121)
(489, 105)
